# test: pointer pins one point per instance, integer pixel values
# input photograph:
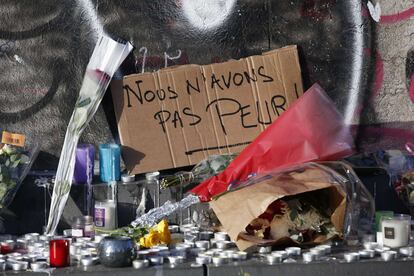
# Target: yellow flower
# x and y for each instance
(164, 232)
(158, 234)
(151, 239)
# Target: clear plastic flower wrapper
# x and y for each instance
(400, 168)
(311, 130)
(15, 163)
(157, 214)
(207, 168)
(106, 58)
(305, 204)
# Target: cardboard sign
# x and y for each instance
(178, 116)
(13, 139)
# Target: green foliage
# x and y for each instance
(10, 159)
(127, 231)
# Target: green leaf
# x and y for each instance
(13, 157)
(7, 163)
(83, 102)
(16, 163)
(293, 214)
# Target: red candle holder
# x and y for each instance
(59, 253)
(6, 248)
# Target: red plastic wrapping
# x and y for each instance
(312, 129)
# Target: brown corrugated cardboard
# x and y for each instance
(178, 116)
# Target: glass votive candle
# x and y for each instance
(396, 230)
(110, 162)
(59, 253)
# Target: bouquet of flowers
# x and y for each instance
(15, 163)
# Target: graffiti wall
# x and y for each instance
(365, 66)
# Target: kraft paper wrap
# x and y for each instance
(236, 209)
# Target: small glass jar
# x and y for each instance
(396, 230)
(83, 227)
(78, 227)
(89, 229)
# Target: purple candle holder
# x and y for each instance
(84, 166)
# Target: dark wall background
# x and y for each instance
(45, 46)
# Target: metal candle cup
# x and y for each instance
(293, 251)
(265, 249)
(221, 236)
(175, 260)
(282, 253)
(371, 245)
(389, 255)
(138, 264)
(308, 257)
(203, 244)
(38, 266)
(274, 258)
(59, 253)
(19, 266)
(203, 260)
(351, 257)
(219, 260)
(407, 251)
(157, 260)
(367, 254)
(239, 256)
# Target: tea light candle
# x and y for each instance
(351, 257)
(239, 256)
(293, 251)
(274, 258)
(105, 214)
(308, 257)
(219, 260)
(282, 253)
(367, 254)
(203, 260)
(388, 255)
(221, 236)
(371, 245)
(138, 264)
(396, 230)
(265, 249)
(407, 251)
(157, 260)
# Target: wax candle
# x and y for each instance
(396, 230)
(110, 162)
(59, 253)
(84, 165)
(378, 217)
(105, 214)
